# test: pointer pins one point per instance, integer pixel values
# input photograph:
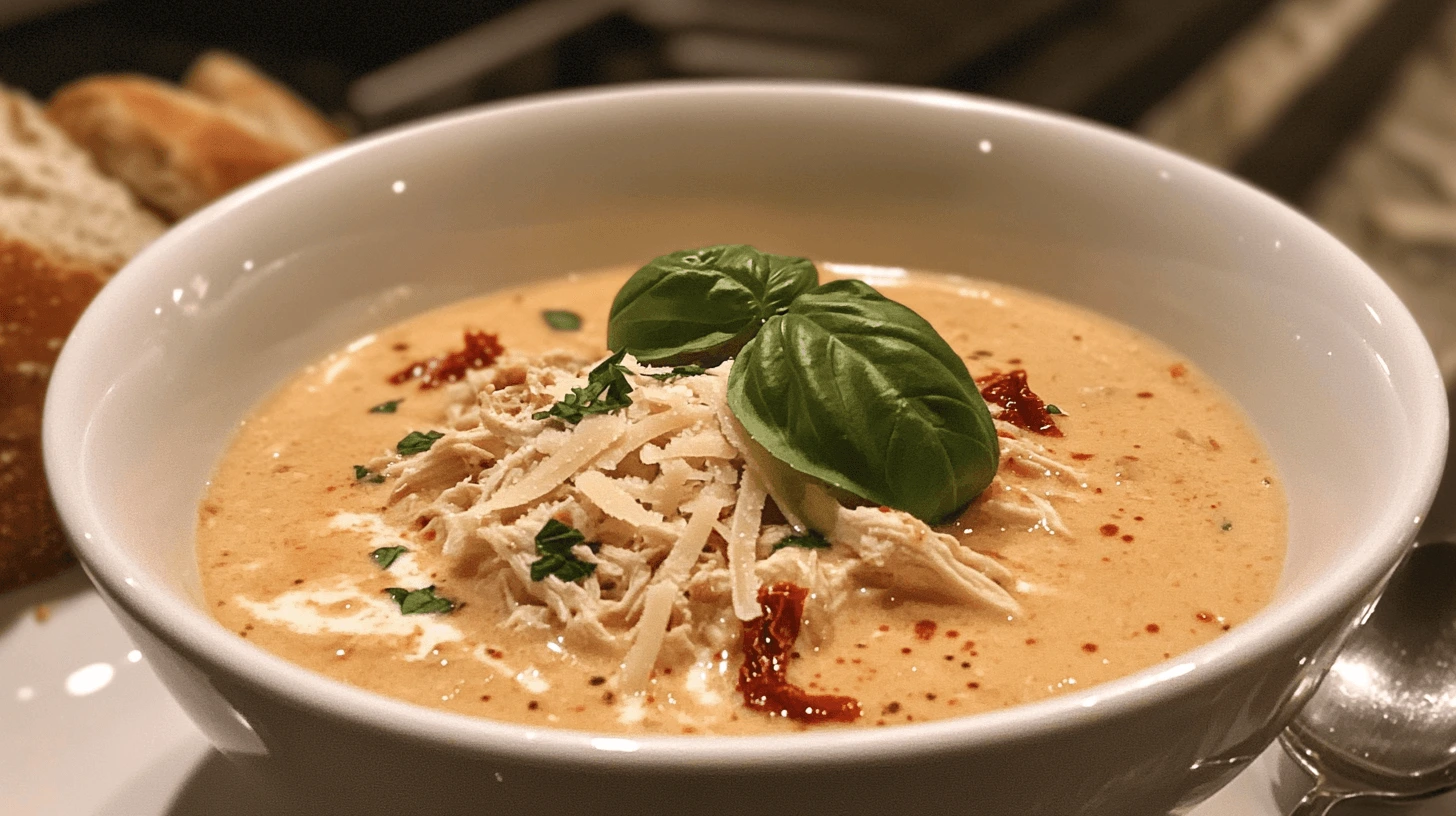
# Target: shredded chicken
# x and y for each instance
(678, 525)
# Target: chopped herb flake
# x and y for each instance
(419, 601)
(809, 541)
(364, 474)
(554, 544)
(1226, 526)
(1052, 409)
(690, 370)
(562, 320)
(606, 390)
(386, 407)
(416, 442)
(384, 556)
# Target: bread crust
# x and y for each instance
(175, 150)
(272, 109)
(41, 297)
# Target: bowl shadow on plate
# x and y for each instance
(17, 603)
(203, 783)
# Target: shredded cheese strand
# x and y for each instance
(606, 494)
(743, 545)
(591, 436)
(675, 568)
(651, 631)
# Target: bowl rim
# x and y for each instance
(185, 627)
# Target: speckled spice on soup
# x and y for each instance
(1177, 533)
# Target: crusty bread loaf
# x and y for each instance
(63, 230)
(272, 109)
(176, 150)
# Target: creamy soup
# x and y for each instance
(1138, 518)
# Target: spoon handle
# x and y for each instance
(1319, 802)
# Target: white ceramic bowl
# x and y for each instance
(202, 324)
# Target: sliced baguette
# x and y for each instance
(64, 228)
(272, 109)
(176, 150)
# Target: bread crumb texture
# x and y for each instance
(64, 228)
(40, 299)
(53, 199)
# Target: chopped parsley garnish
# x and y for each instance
(690, 370)
(562, 320)
(1226, 526)
(554, 544)
(605, 391)
(364, 474)
(809, 541)
(386, 407)
(1052, 409)
(416, 442)
(384, 556)
(419, 601)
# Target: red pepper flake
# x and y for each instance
(884, 627)
(1108, 529)
(968, 646)
(952, 634)
(1014, 361)
(905, 650)
(1177, 371)
(925, 629)
(1082, 457)
(1205, 617)
(1023, 408)
(1127, 538)
(1137, 518)
(1213, 443)
(973, 685)
(481, 349)
(763, 678)
(1153, 628)
(1031, 641)
(1089, 648)
(1145, 395)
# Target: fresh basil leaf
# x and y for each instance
(384, 556)
(678, 372)
(809, 541)
(606, 391)
(856, 390)
(386, 407)
(703, 304)
(562, 320)
(416, 442)
(419, 601)
(1052, 409)
(364, 474)
(553, 544)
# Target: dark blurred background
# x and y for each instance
(1346, 108)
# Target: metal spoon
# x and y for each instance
(1382, 725)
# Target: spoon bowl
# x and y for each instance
(1383, 723)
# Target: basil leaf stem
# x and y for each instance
(856, 390)
(703, 305)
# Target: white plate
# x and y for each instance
(88, 730)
